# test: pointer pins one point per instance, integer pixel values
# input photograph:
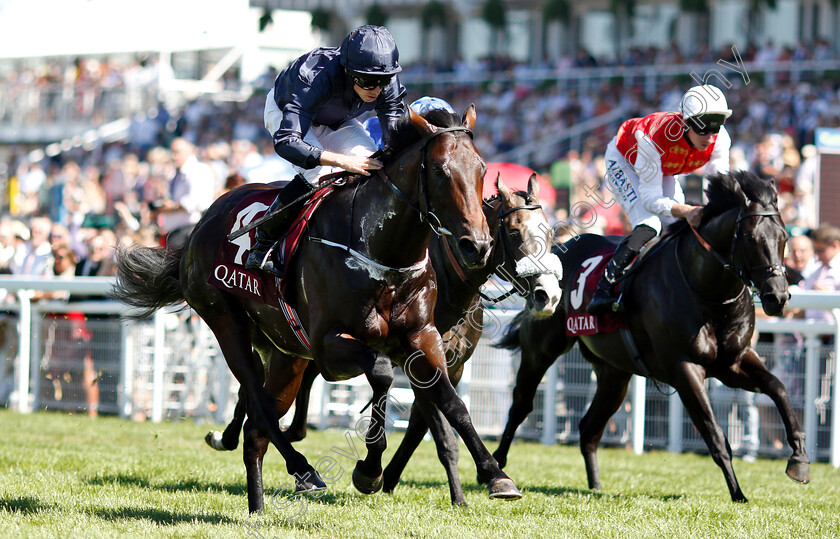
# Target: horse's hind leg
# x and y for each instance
(254, 447)
(610, 393)
(233, 334)
(339, 353)
(751, 374)
(297, 428)
(689, 384)
(229, 438)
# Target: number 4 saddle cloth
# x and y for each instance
(229, 273)
(580, 290)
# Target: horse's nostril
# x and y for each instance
(541, 296)
(467, 247)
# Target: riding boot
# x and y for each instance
(603, 300)
(262, 255)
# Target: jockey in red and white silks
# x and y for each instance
(642, 162)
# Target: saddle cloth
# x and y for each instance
(229, 273)
(580, 290)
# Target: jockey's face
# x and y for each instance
(367, 96)
(700, 142)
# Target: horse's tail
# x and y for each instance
(147, 278)
(510, 340)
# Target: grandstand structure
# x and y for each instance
(536, 30)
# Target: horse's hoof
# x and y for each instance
(504, 489)
(214, 440)
(309, 483)
(799, 471)
(364, 483)
(389, 484)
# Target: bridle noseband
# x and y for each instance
(424, 209)
(507, 249)
(744, 274)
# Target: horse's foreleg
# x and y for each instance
(297, 428)
(751, 374)
(688, 382)
(531, 371)
(414, 433)
(424, 416)
(341, 350)
(426, 369)
(610, 393)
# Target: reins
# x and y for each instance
(426, 215)
(506, 248)
(731, 265)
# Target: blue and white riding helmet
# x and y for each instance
(420, 106)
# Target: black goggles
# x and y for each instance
(370, 82)
(707, 124)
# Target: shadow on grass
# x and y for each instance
(23, 505)
(546, 490)
(187, 485)
(160, 516)
(567, 491)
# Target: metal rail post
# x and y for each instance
(638, 411)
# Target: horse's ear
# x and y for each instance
(533, 187)
(420, 123)
(501, 188)
(468, 119)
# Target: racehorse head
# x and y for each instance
(526, 239)
(450, 181)
(758, 240)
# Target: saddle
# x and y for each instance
(229, 273)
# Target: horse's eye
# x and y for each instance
(439, 171)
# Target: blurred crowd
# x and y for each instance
(174, 163)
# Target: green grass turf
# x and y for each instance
(72, 476)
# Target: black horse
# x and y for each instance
(521, 253)
(363, 287)
(690, 315)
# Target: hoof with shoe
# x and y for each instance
(799, 471)
(364, 483)
(504, 489)
(214, 440)
(309, 482)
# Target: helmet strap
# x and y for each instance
(685, 135)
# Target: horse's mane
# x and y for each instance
(405, 134)
(727, 190)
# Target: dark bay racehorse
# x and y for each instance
(521, 238)
(362, 284)
(691, 317)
